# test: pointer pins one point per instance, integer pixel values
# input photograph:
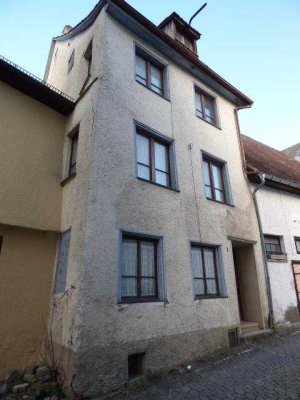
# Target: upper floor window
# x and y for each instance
(205, 107)
(73, 153)
(88, 56)
(216, 180)
(71, 60)
(273, 245)
(149, 72)
(155, 158)
(297, 244)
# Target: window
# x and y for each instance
(216, 180)
(62, 263)
(297, 244)
(71, 61)
(139, 269)
(1, 242)
(73, 151)
(149, 73)
(205, 107)
(155, 157)
(204, 271)
(183, 39)
(88, 56)
(273, 245)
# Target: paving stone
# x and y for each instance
(269, 371)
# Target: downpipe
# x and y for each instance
(271, 324)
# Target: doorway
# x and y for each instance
(248, 296)
(296, 272)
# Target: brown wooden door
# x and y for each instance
(296, 271)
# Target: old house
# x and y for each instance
(276, 178)
(158, 219)
(32, 132)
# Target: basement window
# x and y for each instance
(233, 338)
(135, 365)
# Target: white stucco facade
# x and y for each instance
(96, 330)
(280, 216)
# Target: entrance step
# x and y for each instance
(247, 337)
(249, 327)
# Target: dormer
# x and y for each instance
(181, 31)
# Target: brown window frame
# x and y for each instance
(219, 164)
(280, 251)
(139, 298)
(151, 166)
(216, 279)
(149, 63)
(203, 96)
(297, 239)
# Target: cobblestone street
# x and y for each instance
(268, 369)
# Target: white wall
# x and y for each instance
(280, 215)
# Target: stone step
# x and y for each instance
(248, 337)
(248, 327)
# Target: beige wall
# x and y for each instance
(31, 150)
(26, 269)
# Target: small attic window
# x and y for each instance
(180, 37)
(71, 61)
(88, 56)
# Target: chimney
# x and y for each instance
(66, 29)
(181, 31)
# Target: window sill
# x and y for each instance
(157, 184)
(209, 297)
(142, 301)
(215, 126)
(68, 179)
(160, 95)
(220, 202)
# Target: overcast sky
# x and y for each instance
(255, 45)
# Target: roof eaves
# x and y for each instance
(29, 84)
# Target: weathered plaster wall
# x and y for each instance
(26, 268)
(31, 160)
(280, 215)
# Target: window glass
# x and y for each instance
(141, 70)
(204, 271)
(213, 180)
(156, 79)
(161, 164)
(143, 156)
(205, 107)
(138, 274)
(209, 109)
(199, 106)
(152, 160)
(129, 268)
(209, 263)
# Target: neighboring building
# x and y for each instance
(293, 151)
(163, 226)
(279, 209)
(32, 130)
